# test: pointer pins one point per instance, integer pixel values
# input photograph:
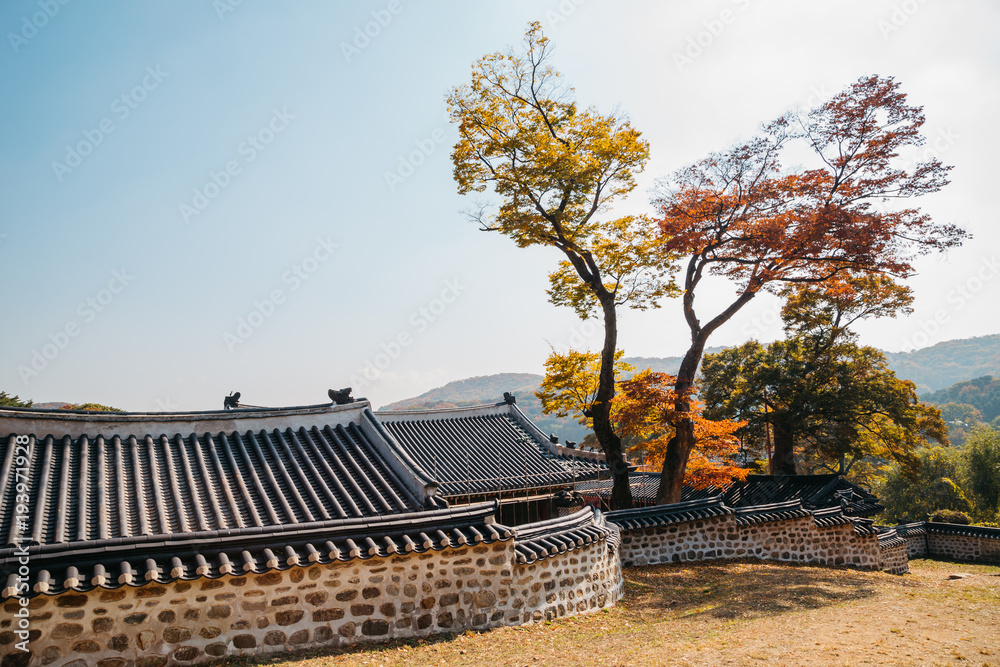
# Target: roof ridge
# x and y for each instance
(769, 507)
(430, 411)
(585, 515)
(430, 485)
(699, 503)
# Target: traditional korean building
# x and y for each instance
(493, 452)
(174, 538)
(154, 540)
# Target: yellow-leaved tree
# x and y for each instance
(555, 170)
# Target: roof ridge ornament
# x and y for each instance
(340, 396)
(509, 398)
(232, 401)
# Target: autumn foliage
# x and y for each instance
(645, 411)
(743, 215)
(555, 170)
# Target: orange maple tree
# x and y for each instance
(741, 215)
(645, 411)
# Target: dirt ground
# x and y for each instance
(741, 613)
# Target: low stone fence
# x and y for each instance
(915, 536)
(952, 541)
(562, 567)
(707, 529)
(956, 542)
(571, 567)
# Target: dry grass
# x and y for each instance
(739, 613)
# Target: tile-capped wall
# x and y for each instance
(186, 622)
(797, 539)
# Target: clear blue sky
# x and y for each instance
(129, 250)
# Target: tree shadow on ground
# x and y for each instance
(744, 589)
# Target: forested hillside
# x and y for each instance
(942, 365)
(982, 393)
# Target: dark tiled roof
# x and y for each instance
(815, 492)
(116, 506)
(691, 493)
(790, 509)
(864, 526)
(645, 486)
(911, 529)
(666, 515)
(555, 536)
(960, 529)
(831, 516)
(93, 488)
(889, 539)
(466, 449)
(657, 516)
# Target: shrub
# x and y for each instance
(951, 516)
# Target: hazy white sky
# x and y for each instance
(210, 196)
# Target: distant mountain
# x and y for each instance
(982, 393)
(933, 368)
(471, 391)
(49, 406)
(942, 365)
(490, 389)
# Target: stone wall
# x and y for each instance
(893, 552)
(566, 584)
(951, 541)
(963, 547)
(895, 559)
(796, 539)
(916, 539)
(186, 622)
(470, 587)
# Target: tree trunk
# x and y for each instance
(621, 494)
(783, 460)
(680, 446)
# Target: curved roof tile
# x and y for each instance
(483, 450)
